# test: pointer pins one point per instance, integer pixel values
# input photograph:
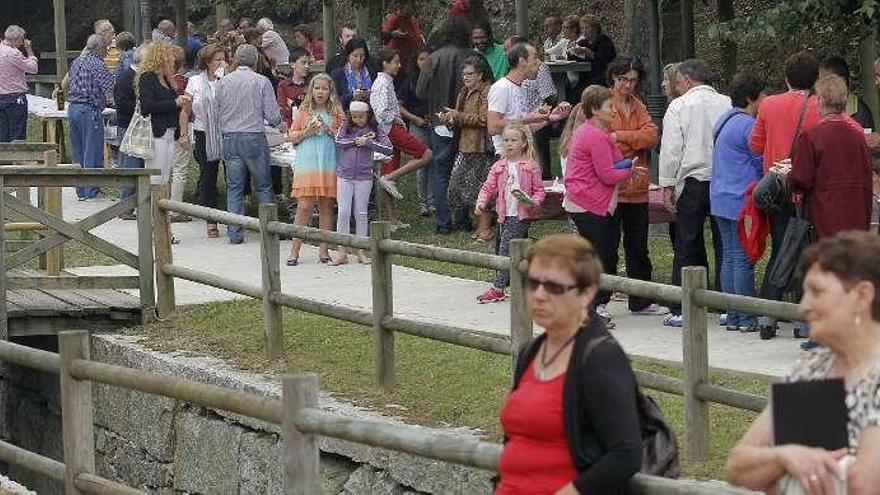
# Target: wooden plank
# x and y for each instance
(81, 282)
(27, 146)
(271, 259)
(695, 358)
(34, 303)
(29, 326)
(301, 454)
(41, 173)
(71, 231)
(77, 422)
(4, 296)
(88, 306)
(520, 320)
(147, 286)
(52, 205)
(20, 156)
(50, 181)
(114, 299)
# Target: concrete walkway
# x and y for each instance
(417, 294)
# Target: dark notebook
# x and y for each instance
(811, 413)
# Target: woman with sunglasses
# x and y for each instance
(571, 422)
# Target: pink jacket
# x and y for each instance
(530, 182)
(590, 176)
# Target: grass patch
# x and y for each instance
(437, 383)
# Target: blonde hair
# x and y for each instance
(159, 56)
(575, 119)
(308, 103)
(832, 93)
(671, 75)
(529, 152)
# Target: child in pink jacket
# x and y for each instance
(516, 186)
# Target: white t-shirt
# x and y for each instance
(511, 185)
(195, 88)
(510, 100)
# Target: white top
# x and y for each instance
(557, 47)
(511, 185)
(510, 100)
(687, 144)
(195, 87)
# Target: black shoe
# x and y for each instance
(809, 345)
(128, 216)
(731, 328)
(444, 230)
(767, 331)
(801, 331)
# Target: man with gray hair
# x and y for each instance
(88, 83)
(165, 31)
(686, 168)
(16, 59)
(274, 46)
(244, 100)
(104, 28)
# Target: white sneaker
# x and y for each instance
(602, 311)
(652, 310)
(389, 186)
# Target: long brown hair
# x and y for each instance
(575, 119)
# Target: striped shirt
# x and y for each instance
(13, 67)
(244, 99)
(90, 80)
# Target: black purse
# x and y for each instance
(786, 273)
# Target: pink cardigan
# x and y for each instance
(590, 176)
(530, 182)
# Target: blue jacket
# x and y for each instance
(734, 166)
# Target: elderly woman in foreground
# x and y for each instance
(571, 422)
(842, 304)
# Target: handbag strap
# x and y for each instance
(726, 120)
(797, 130)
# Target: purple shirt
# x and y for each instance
(356, 162)
(13, 67)
(244, 100)
(90, 81)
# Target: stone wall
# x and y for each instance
(165, 446)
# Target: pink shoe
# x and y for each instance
(493, 294)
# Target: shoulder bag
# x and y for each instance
(773, 193)
(138, 139)
(659, 445)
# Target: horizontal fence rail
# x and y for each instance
(303, 418)
(695, 386)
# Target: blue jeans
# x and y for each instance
(245, 153)
(443, 160)
(425, 175)
(13, 117)
(127, 161)
(86, 142)
(737, 272)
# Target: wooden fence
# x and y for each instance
(693, 295)
(297, 412)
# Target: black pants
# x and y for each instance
(632, 220)
(207, 172)
(599, 230)
(542, 145)
(690, 245)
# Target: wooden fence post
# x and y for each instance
(146, 285)
(695, 359)
(52, 205)
(520, 320)
(76, 411)
(301, 454)
(271, 258)
(162, 236)
(4, 320)
(383, 305)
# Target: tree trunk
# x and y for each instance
(688, 47)
(147, 19)
(670, 30)
(867, 56)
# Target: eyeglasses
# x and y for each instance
(468, 73)
(552, 288)
(626, 80)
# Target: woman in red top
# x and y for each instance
(571, 422)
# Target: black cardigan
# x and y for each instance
(599, 410)
(159, 102)
(123, 95)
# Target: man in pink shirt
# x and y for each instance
(16, 59)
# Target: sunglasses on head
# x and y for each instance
(554, 288)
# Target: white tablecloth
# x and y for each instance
(47, 108)
(285, 154)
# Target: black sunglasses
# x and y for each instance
(554, 288)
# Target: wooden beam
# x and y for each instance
(522, 18)
(180, 21)
(327, 15)
(60, 22)
(78, 282)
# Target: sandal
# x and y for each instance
(324, 259)
(293, 262)
(213, 231)
(175, 240)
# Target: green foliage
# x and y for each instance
(792, 17)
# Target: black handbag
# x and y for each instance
(786, 273)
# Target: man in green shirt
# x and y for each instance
(481, 37)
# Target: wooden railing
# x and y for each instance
(297, 412)
(58, 231)
(693, 295)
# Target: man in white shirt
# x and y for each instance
(686, 168)
(509, 99)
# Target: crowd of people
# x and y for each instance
(474, 117)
